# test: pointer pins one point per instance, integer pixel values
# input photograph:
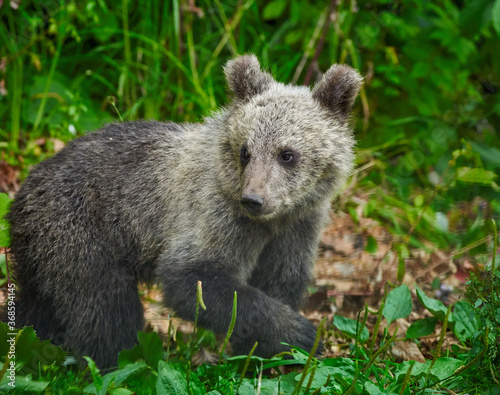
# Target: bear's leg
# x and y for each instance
(284, 268)
(34, 309)
(102, 316)
(260, 318)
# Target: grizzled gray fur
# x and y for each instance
(237, 202)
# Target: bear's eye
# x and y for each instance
(287, 156)
(244, 155)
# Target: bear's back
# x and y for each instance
(90, 193)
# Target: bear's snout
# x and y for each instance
(252, 203)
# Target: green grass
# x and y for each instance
(149, 369)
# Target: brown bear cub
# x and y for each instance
(236, 202)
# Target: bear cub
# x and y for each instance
(236, 202)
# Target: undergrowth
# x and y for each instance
(470, 365)
(68, 67)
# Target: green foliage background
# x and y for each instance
(428, 119)
(428, 125)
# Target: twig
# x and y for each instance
(455, 252)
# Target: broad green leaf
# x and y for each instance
(24, 385)
(496, 16)
(443, 368)
(475, 176)
(347, 365)
(274, 9)
(96, 376)
(149, 348)
(321, 375)
(170, 381)
(106, 26)
(372, 389)
(421, 328)
(436, 307)
(284, 385)
(398, 304)
(417, 370)
(342, 368)
(466, 321)
(120, 376)
(152, 346)
(488, 154)
(132, 355)
(4, 203)
(130, 371)
(30, 351)
(300, 356)
(349, 326)
(247, 387)
(472, 17)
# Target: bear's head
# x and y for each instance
(285, 147)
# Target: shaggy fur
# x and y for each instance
(237, 202)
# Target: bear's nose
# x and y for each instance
(252, 203)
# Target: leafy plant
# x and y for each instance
(483, 311)
(148, 369)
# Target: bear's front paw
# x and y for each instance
(293, 329)
(303, 334)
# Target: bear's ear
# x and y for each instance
(338, 89)
(245, 78)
